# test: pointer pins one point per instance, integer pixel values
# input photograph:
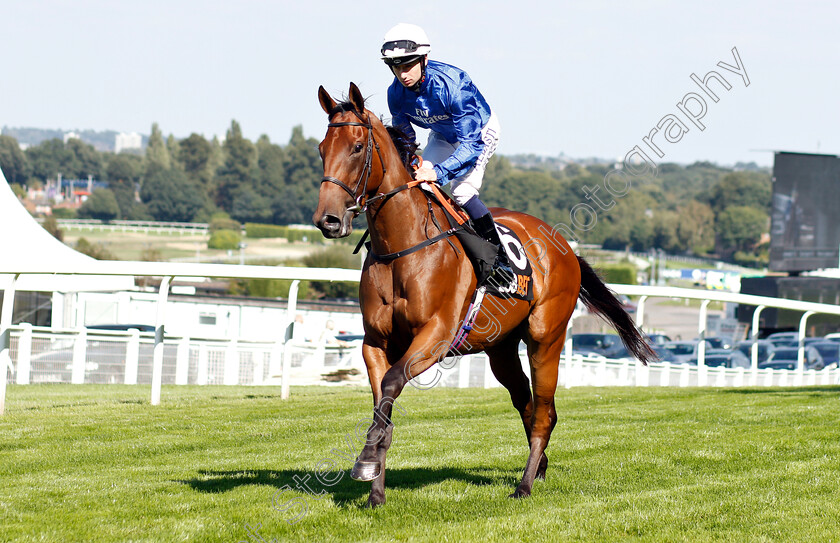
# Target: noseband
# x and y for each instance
(365, 175)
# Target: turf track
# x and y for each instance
(97, 463)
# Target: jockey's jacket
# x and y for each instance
(447, 103)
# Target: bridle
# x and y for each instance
(365, 175)
(362, 202)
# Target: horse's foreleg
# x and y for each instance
(377, 364)
(424, 351)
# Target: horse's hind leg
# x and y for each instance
(544, 358)
(504, 361)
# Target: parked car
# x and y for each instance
(620, 352)
(829, 350)
(597, 343)
(658, 339)
(765, 349)
(833, 337)
(785, 358)
(122, 327)
(784, 338)
(350, 337)
(684, 351)
(726, 358)
(718, 342)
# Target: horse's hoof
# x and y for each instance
(520, 494)
(375, 502)
(365, 471)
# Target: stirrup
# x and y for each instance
(502, 274)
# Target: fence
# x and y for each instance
(574, 371)
(45, 355)
(155, 227)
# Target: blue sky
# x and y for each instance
(581, 78)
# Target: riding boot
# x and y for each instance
(502, 273)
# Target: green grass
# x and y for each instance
(97, 463)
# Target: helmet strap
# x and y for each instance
(416, 86)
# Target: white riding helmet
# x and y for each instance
(404, 43)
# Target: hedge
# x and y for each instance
(624, 274)
(255, 230)
(224, 239)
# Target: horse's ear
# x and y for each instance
(356, 98)
(327, 103)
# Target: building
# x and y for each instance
(124, 141)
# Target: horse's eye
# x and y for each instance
(358, 148)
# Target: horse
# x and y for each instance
(416, 285)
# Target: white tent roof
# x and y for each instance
(25, 241)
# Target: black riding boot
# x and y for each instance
(502, 273)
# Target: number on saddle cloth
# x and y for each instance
(523, 286)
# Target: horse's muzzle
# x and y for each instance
(333, 226)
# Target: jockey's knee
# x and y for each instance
(464, 192)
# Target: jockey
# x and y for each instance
(464, 132)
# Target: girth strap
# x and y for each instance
(393, 256)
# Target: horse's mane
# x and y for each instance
(405, 145)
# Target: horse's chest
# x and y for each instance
(393, 311)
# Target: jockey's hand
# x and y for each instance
(426, 172)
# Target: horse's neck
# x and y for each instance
(399, 222)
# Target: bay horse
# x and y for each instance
(416, 286)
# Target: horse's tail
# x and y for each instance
(599, 299)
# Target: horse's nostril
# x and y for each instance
(330, 222)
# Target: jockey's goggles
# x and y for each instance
(401, 47)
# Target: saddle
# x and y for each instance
(481, 253)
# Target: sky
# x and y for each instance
(585, 79)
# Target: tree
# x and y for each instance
(100, 205)
(665, 231)
(170, 196)
(753, 189)
(52, 158)
(13, 161)
(124, 172)
(195, 155)
(50, 224)
(739, 228)
(270, 158)
(303, 171)
(87, 160)
(157, 155)
(696, 227)
(625, 225)
(285, 210)
(248, 206)
(173, 147)
(237, 169)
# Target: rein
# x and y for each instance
(458, 217)
(363, 203)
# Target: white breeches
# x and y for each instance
(466, 186)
